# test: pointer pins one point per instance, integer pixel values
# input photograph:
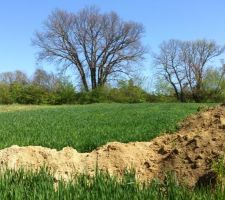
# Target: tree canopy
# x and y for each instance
(97, 45)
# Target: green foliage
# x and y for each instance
(5, 95)
(86, 127)
(128, 92)
(99, 95)
(219, 168)
(43, 88)
(57, 91)
(31, 94)
(48, 88)
(213, 89)
(214, 85)
(16, 92)
(20, 185)
(63, 93)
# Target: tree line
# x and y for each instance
(102, 48)
(50, 88)
(42, 88)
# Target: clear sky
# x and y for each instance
(163, 20)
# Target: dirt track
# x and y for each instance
(189, 152)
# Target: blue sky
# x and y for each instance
(162, 19)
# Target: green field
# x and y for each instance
(86, 127)
(40, 186)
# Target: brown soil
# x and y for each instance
(190, 153)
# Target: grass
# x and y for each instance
(86, 127)
(17, 107)
(41, 185)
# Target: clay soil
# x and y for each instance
(189, 152)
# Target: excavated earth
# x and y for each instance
(189, 152)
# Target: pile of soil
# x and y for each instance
(190, 153)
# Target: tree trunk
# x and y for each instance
(198, 96)
(176, 91)
(93, 78)
(182, 96)
(83, 79)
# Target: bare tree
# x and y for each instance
(96, 45)
(170, 66)
(196, 55)
(47, 80)
(44, 79)
(14, 77)
(184, 64)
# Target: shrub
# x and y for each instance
(32, 94)
(63, 93)
(127, 92)
(5, 95)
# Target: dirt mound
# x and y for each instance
(190, 153)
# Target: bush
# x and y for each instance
(31, 94)
(99, 95)
(63, 93)
(5, 95)
(127, 92)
